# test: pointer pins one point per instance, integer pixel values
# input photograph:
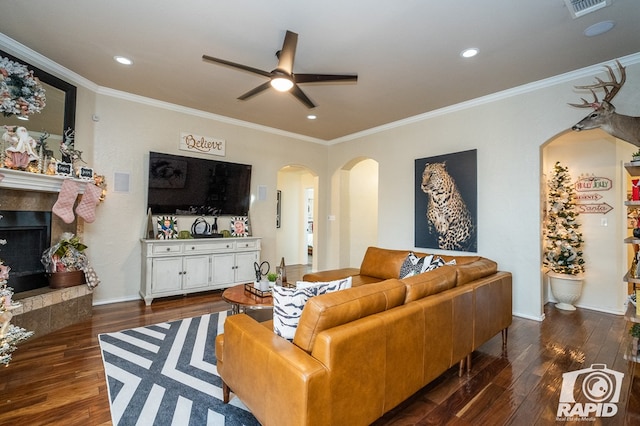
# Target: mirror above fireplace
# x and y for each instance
(60, 111)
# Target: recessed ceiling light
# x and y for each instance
(599, 28)
(312, 116)
(122, 60)
(469, 53)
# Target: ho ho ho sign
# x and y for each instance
(202, 144)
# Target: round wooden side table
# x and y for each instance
(241, 299)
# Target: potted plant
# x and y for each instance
(563, 240)
(272, 277)
(636, 156)
(65, 262)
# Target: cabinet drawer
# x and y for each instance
(243, 245)
(167, 248)
(208, 247)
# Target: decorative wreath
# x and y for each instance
(20, 91)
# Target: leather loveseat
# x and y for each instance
(358, 353)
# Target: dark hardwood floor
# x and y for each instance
(58, 379)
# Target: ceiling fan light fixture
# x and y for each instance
(281, 84)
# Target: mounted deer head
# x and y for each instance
(604, 115)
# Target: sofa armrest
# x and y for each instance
(268, 372)
(334, 274)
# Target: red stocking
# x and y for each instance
(87, 207)
(64, 206)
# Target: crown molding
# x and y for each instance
(25, 53)
(28, 55)
(515, 91)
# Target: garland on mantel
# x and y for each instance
(20, 91)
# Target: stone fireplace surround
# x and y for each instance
(44, 310)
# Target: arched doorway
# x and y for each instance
(358, 210)
(594, 154)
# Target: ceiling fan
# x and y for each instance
(282, 78)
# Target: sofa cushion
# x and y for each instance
(332, 275)
(288, 303)
(383, 263)
(428, 283)
(334, 309)
(471, 271)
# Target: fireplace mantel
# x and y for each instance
(16, 179)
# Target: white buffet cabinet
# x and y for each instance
(171, 267)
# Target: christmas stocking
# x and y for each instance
(87, 207)
(64, 206)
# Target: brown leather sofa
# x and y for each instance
(358, 353)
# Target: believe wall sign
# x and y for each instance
(585, 196)
(202, 144)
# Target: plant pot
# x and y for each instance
(66, 279)
(566, 289)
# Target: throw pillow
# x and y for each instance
(288, 303)
(437, 262)
(414, 265)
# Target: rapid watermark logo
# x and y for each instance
(590, 392)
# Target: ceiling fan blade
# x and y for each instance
(255, 91)
(318, 78)
(298, 93)
(235, 65)
(288, 53)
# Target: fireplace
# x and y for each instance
(27, 235)
(43, 309)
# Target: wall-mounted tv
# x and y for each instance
(180, 185)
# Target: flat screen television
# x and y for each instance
(180, 185)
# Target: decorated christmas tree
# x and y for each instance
(563, 240)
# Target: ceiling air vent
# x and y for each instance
(580, 8)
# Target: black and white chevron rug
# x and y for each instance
(165, 374)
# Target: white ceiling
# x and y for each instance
(406, 53)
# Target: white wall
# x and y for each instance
(508, 133)
(123, 137)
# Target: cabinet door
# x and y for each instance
(245, 271)
(196, 271)
(223, 268)
(166, 274)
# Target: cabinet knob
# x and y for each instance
(193, 248)
(168, 248)
(227, 245)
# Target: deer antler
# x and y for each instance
(611, 88)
